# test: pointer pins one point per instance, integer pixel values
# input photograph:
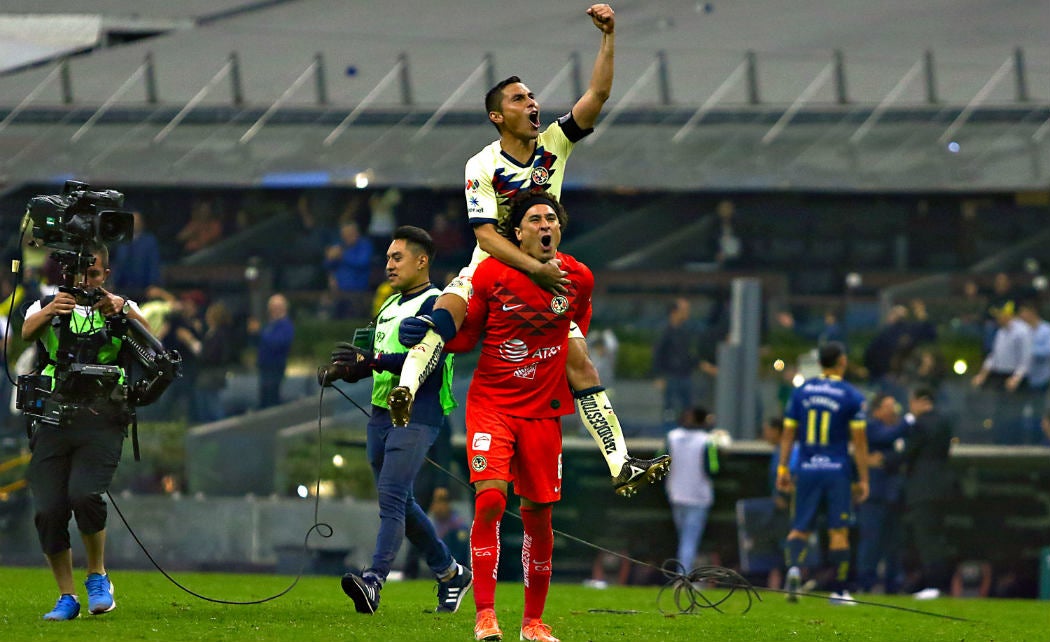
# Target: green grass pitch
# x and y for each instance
(149, 607)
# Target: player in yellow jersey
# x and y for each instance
(525, 158)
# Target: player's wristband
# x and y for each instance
(782, 470)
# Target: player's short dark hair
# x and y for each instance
(829, 354)
(880, 397)
(695, 416)
(494, 96)
(924, 392)
(522, 201)
(417, 238)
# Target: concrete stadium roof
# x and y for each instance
(703, 44)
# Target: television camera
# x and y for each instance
(72, 224)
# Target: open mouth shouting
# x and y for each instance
(546, 243)
(534, 118)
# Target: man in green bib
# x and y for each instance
(396, 453)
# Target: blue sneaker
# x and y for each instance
(100, 594)
(66, 608)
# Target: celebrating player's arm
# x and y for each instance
(585, 111)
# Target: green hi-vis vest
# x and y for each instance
(83, 323)
(385, 341)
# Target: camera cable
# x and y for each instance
(323, 529)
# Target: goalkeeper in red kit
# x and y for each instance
(515, 403)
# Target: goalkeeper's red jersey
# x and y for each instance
(524, 332)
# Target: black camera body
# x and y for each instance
(78, 216)
(71, 223)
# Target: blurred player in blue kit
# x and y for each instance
(825, 415)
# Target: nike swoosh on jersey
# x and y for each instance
(508, 308)
(386, 319)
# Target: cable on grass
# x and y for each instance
(323, 529)
(686, 588)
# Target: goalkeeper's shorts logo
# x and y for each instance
(479, 463)
(482, 441)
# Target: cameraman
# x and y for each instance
(73, 465)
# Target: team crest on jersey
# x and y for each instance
(559, 305)
(479, 463)
(539, 176)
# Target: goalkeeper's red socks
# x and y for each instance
(537, 549)
(489, 505)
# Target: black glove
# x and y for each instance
(412, 329)
(349, 353)
(349, 363)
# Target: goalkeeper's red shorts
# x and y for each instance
(526, 452)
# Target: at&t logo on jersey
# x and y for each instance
(513, 350)
(546, 353)
(559, 305)
(526, 372)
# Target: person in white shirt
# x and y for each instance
(689, 487)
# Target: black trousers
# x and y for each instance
(927, 530)
(71, 468)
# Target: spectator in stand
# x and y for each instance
(1038, 378)
(451, 527)
(349, 266)
(274, 345)
(927, 485)
(218, 350)
(832, 330)
(879, 524)
(181, 329)
(136, 263)
(674, 360)
(447, 232)
(1002, 292)
(383, 221)
(885, 356)
(203, 229)
(1004, 372)
(729, 248)
(604, 348)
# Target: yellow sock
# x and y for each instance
(597, 415)
(422, 359)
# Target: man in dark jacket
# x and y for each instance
(879, 521)
(674, 360)
(928, 484)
